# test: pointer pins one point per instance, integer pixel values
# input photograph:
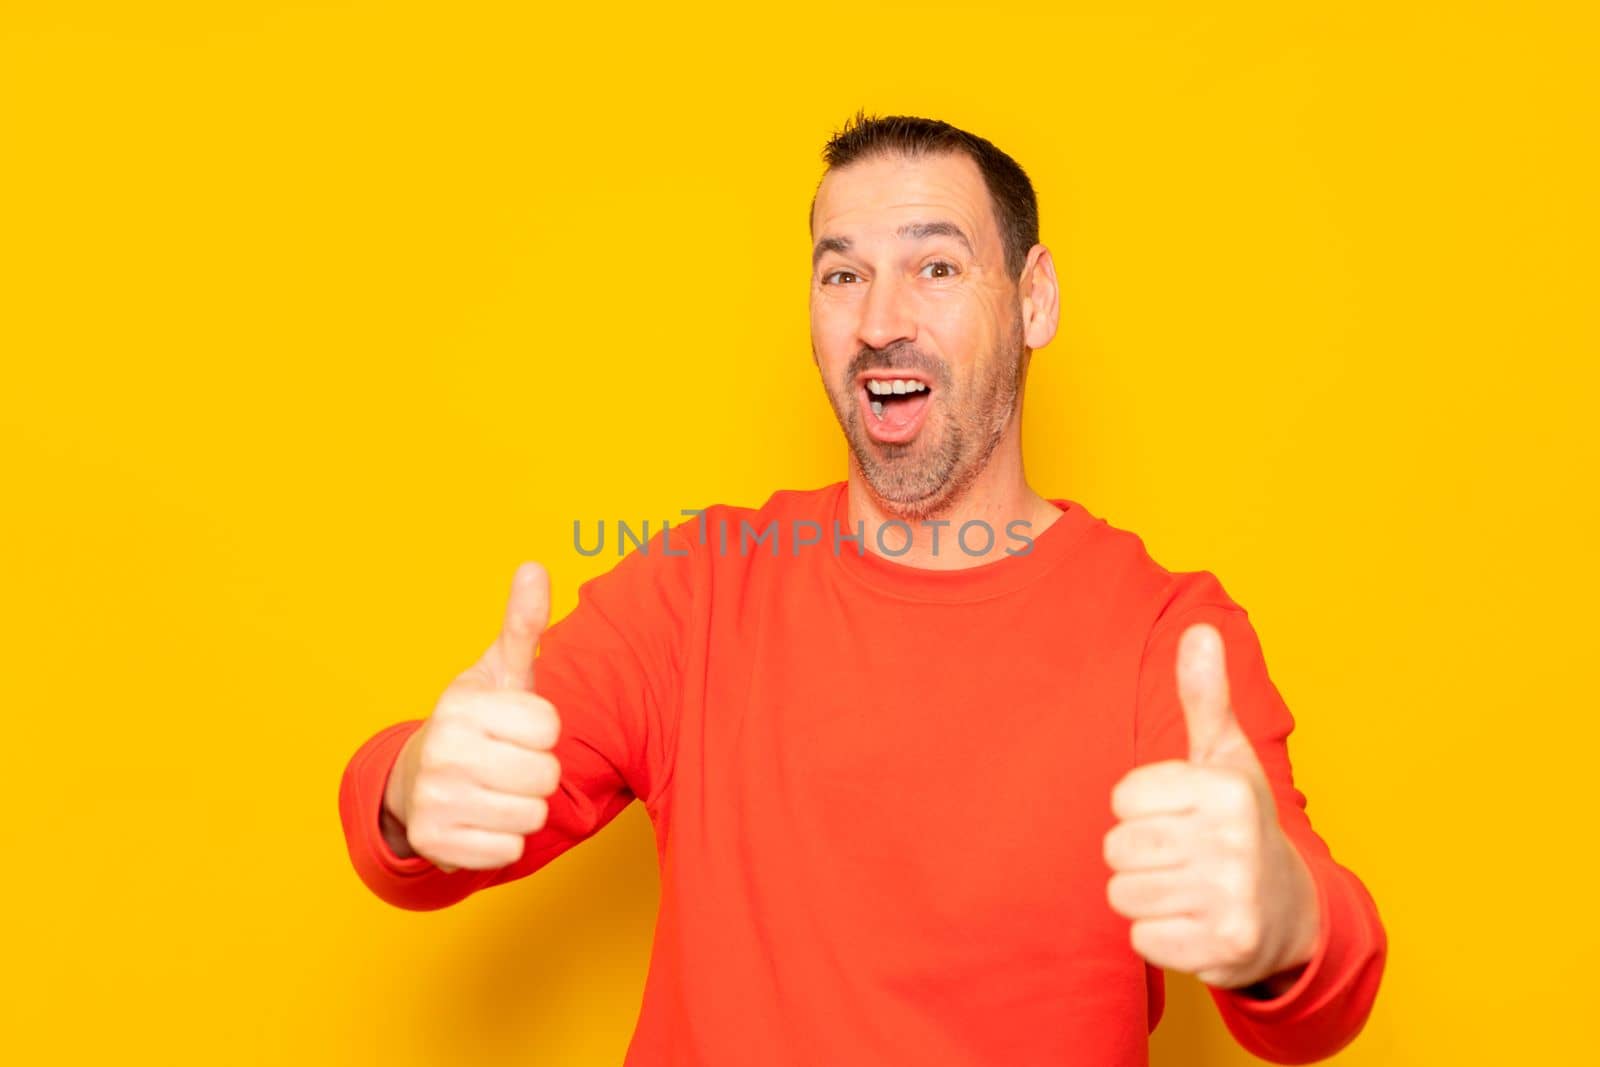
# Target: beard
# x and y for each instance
(917, 479)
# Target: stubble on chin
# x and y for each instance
(916, 480)
(921, 480)
(929, 486)
(911, 488)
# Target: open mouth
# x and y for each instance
(894, 408)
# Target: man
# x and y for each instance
(942, 771)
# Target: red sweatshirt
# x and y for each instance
(880, 792)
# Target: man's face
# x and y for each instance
(909, 283)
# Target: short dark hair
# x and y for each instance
(1016, 208)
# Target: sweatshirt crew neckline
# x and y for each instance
(965, 584)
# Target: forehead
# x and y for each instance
(878, 194)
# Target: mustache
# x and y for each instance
(902, 355)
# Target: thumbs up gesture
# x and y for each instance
(472, 780)
(1213, 885)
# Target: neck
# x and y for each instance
(998, 496)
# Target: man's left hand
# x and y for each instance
(1213, 885)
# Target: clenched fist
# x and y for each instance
(1200, 864)
(472, 780)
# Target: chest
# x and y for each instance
(924, 765)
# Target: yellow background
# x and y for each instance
(317, 318)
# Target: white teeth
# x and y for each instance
(883, 387)
(877, 408)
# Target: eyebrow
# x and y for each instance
(914, 231)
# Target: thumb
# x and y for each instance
(1215, 737)
(527, 613)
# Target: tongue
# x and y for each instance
(901, 411)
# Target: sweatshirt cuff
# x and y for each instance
(375, 769)
(1328, 1003)
(412, 882)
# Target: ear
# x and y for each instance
(1041, 298)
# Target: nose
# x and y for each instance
(886, 314)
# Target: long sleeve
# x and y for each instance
(1329, 1002)
(611, 669)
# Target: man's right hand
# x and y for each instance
(472, 780)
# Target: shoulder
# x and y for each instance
(1121, 565)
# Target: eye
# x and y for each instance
(949, 268)
(837, 274)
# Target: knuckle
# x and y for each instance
(550, 779)
(548, 720)
(481, 710)
(477, 708)
(523, 816)
(1233, 885)
(1119, 895)
(426, 841)
(540, 814)
(454, 703)
(432, 745)
(1111, 847)
(536, 718)
(1144, 941)
(1236, 836)
(442, 750)
(1241, 937)
(507, 850)
(430, 793)
(1238, 797)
